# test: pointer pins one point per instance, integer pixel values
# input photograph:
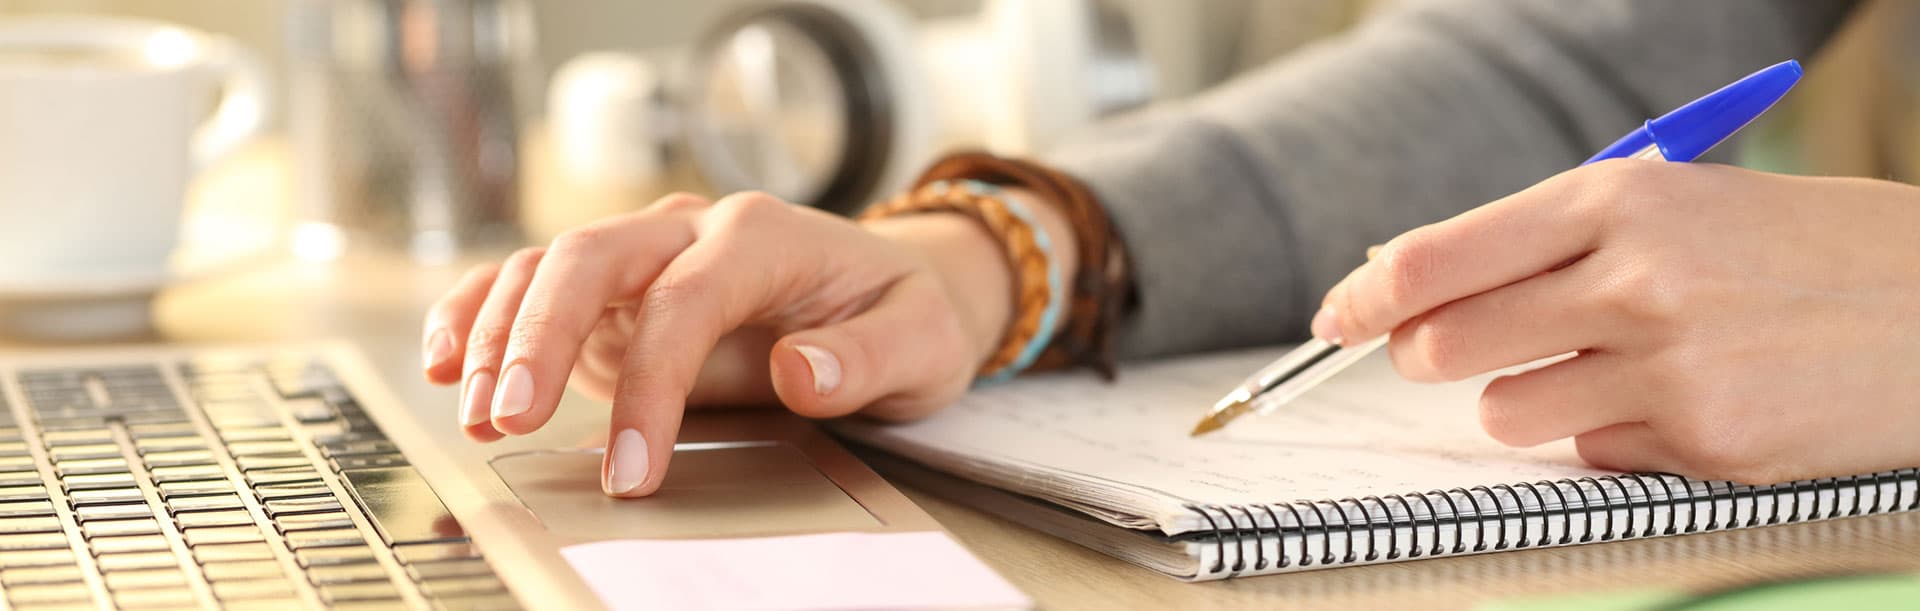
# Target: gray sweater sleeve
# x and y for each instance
(1242, 205)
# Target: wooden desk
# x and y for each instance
(376, 301)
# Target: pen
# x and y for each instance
(1681, 136)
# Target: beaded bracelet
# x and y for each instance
(1039, 284)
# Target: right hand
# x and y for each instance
(747, 300)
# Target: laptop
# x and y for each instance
(287, 476)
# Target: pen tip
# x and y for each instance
(1209, 424)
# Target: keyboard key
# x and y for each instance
(16, 509)
(346, 573)
(108, 496)
(222, 534)
(33, 595)
(190, 472)
(170, 444)
(444, 569)
(18, 478)
(22, 493)
(333, 537)
(209, 502)
(283, 476)
(317, 504)
(310, 409)
(13, 448)
(357, 448)
(17, 577)
(16, 463)
(460, 586)
(90, 466)
(410, 554)
(242, 570)
(263, 448)
(168, 429)
(120, 479)
(156, 598)
(81, 452)
(313, 521)
(259, 433)
(253, 463)
(292, 490)
(207, 519)
(134, 561)
(75, 438)
(275, 587)
(115, 528)
(112, 512)
(134, 543)
(195, 487)
(230, 552)
(404, 510)
(38, 557)
(367, 461)
(41, 524)
(323, 556)
(144, 579)
(263, 604)
(179, 458)
(477, 602)
(358, 591)
(78, 423)
(32, 541)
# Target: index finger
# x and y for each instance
(1497, 244)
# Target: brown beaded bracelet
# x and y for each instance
(1037, 307)
(1101, 289)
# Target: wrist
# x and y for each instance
(973, 265)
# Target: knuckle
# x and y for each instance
(1408, 264)
(523, 261)
(1645, 294)
(747, 207)
(672, 292)
(484, 343)
(580, 242)
(679, 200)
(533, 324)
(1717, 441)
(1499, 416)
(1430, 350)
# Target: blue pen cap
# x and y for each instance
(1690, 131)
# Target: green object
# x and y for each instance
(1894, 592)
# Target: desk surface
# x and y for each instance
(377, 303)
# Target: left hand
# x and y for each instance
(1729, 324)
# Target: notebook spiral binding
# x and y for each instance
(1304, 535)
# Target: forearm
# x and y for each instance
(1241, 207)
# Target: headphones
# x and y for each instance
(833, 103)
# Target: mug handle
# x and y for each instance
(244, 102)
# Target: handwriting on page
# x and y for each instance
(1365, 432)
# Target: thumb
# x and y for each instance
(903, 357)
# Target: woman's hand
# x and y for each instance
(747, 300)
(1730, 324)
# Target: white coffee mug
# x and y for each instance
(103, 121)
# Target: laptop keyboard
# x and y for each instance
(218, 482)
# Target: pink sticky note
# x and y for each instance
(917, 570)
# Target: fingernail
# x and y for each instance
(1373, 251)
(439, 347)
(826, 368)
(627, 468)
(516, 392)
(1326, 325)
(479, 393)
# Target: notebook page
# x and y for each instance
(1121, 452)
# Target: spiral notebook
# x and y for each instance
(1365, 469)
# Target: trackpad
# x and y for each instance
(712, 490)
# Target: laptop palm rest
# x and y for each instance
(726, 489)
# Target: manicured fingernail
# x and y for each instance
(516, 392)
(627, 468)
(1326, 325)
(439, 347)
(826, 368)
(479, 393)
(1373, 251)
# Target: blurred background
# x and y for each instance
(439, 128)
